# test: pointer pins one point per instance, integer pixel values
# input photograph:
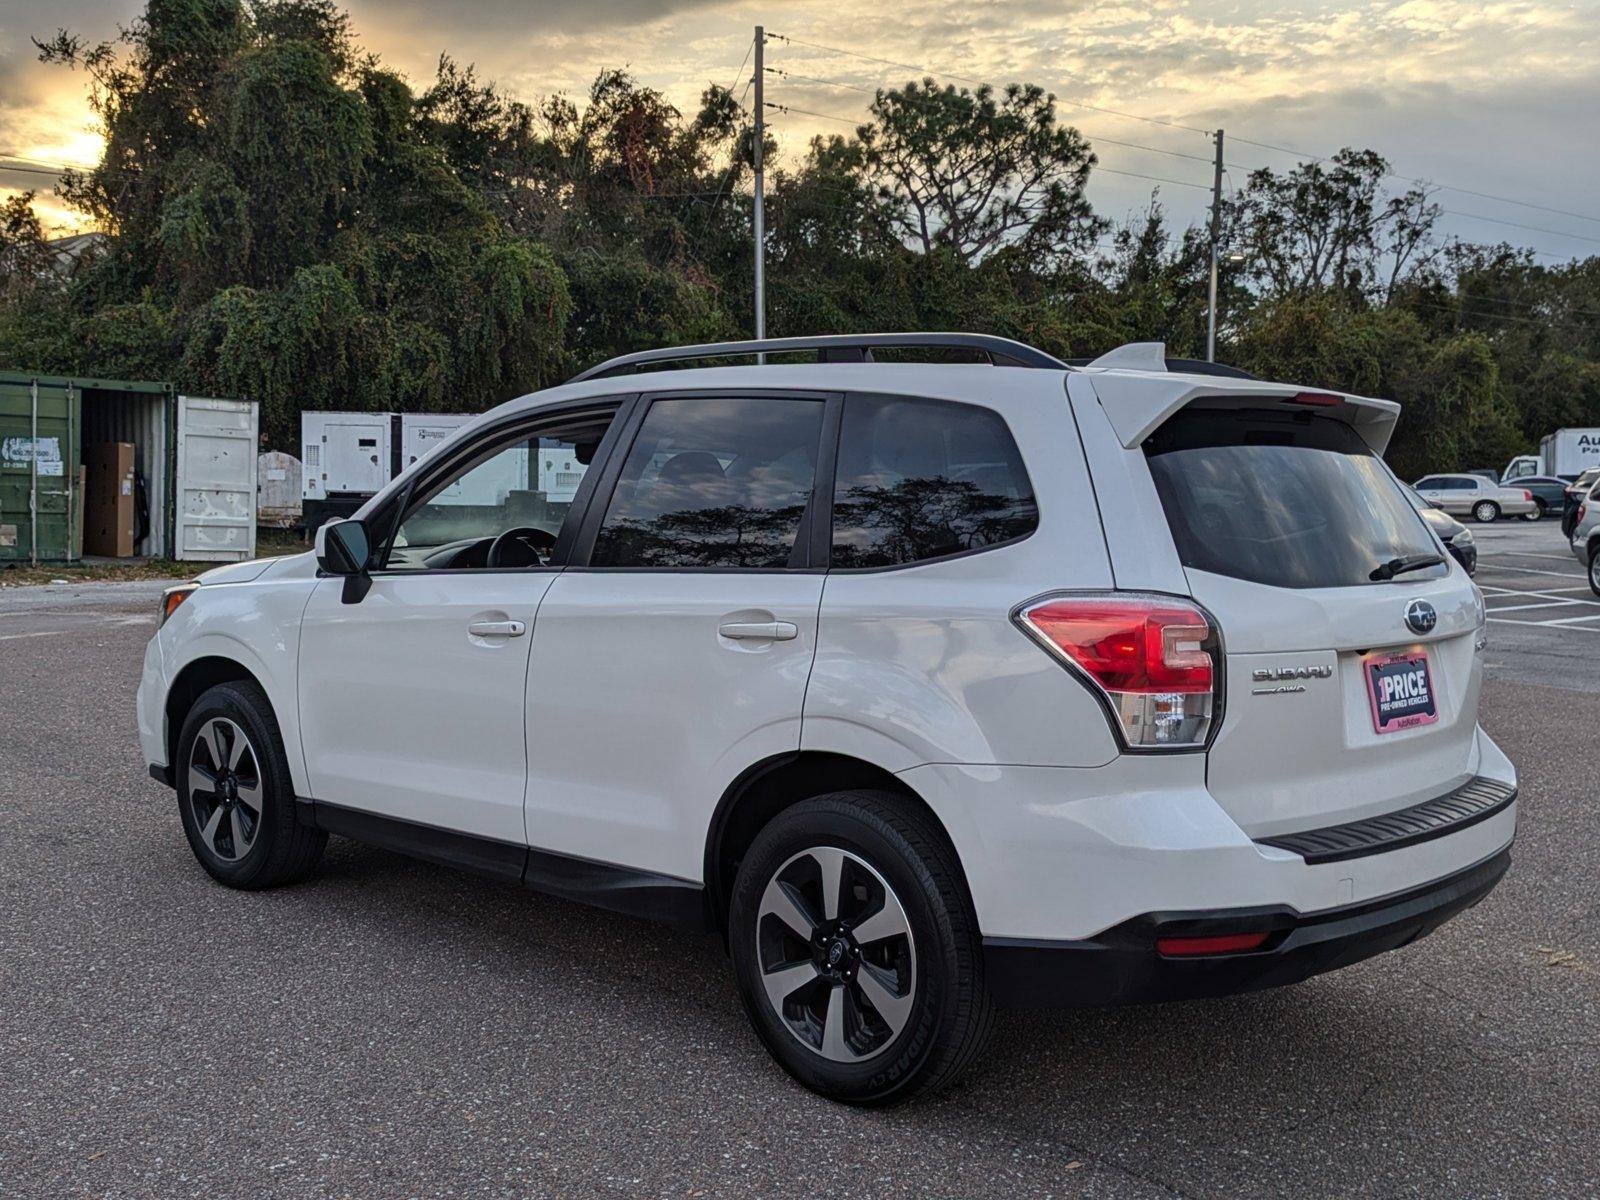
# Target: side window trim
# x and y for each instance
(588, 532)
(508, 431)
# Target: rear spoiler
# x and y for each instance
(1138, 403)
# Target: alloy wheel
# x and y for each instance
(225, 792)
(836, 954)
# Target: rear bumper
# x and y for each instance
(1122, 965)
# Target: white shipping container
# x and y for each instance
(216, 478)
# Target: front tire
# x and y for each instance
(1538, 512)
(235, 797)
(1486, 511)
(857, 951)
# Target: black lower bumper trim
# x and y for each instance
(1476, 800)
(162, 775)
(1122, 966)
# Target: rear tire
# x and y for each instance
(1486, 511)
(897, 1014)
(1594, 567)
(235, 797)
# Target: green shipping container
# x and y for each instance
(41, 426)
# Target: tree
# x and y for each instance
(973, 174)
(287, 222)
(1326, 227)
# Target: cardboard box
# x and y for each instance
(108, 517)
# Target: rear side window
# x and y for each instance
(714, 483)
(1286, 499)
(924, 479)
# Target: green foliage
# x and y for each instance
(286, 219)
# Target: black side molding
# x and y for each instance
(1476, 800)
(662, 898)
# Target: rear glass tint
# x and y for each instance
(1287, 499)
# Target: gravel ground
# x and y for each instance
(393, 1029)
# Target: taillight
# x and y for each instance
(1528, 496)
(1151, 657)
(1316, 399)
(1583, 511)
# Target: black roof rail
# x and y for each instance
(1188, 366)
(837, 347)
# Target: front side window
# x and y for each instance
(1285, 499)
(925, 479)
(713, 482)
(503, 507)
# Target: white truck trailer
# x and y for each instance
(1566, 453)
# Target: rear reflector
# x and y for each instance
(1225, 943)
(1151, 657)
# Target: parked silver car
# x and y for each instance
(1457, 538)
(1475, 496)
(1586, 536)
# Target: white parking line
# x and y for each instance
(1536, 571)
(1530, 554)
(1542, 604)
(1574, 620)
(1544, 625)
(1510, 593)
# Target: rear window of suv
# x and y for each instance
(1286, 499)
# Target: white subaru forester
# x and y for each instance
(930, 686)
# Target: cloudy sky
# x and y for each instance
(1500, 98)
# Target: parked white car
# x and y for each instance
(929, 687)
(1475, 496)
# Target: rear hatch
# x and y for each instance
(1348, 693)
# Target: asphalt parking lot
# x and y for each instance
(391, 1029)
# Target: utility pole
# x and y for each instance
(760, 210)
(1216, 236)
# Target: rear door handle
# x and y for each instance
(497, 628)
(758, 631)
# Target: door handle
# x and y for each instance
(759, 631)
(497, 628)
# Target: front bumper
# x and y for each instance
(1123, 966)
(1466, 555)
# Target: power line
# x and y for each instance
(1093, 136)
(1320, 158)
(889, 62)
(1246, 141)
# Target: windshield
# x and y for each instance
(1280, 498)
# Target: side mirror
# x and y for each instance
(343, 548)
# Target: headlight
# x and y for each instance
(172, 597)
(1464, 538)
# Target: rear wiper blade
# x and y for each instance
(1399, 566)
